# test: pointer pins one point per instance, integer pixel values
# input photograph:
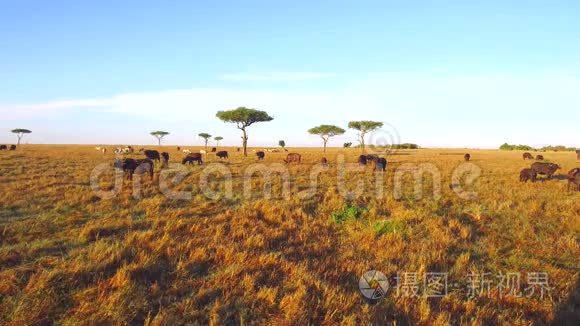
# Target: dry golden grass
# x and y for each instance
(68, 257)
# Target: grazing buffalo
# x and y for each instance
(152, 154)
(193, 158)
(3, 147)
(380, 164)
(539, 157)
(574, 178)
(324, 161)
(131, 166)
(528, 156)
(467, 157)
(165, 157)
(13, 148)
(222, 154)
(528, 174)
(260, 155)
(547, 169)
(293, 157)
(362, 160)
(213, 149)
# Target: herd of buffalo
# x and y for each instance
(7, 148)
(141, 166)
(548, 169)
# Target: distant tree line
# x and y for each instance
(558, 148)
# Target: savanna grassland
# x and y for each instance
(70, 257)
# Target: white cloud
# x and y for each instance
(463, 111)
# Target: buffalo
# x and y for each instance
(574, 178)
(372, 158)
(13, 148)
(293, 157)
(165, 157)
(539, 157)
(131, 166)
(547, 169)
(178, 148)
(362, 160)
(380, 164)
(324, 161)
(222, 154)
(213, 149)
(528, 174)
(193, 157)
(467, 157)
(152, 155)
(578, 154)
(3, 147)
(260, 155)
(528, 156)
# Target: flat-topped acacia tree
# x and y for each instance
(217, 140)
(244, 117)
(206, 138)
(159, 134)
(326, 131)
(20, 133)
(364, 127)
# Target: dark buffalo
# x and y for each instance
(539, 157)
(193, 157)
(178, 148)
(222, 154)
(574, 178)
(213, 149)
(13, 148)
(381, 164)
(547, 169)
(239, 149)
(578, 154)
(467, 157)
(293, 157)
(260, 155)
(165, 157)
(3, 147)
(324, 161)
(131, 166)
(528, 156)
(152, 155)
(372, 158)
(362, 160)
(528, 174)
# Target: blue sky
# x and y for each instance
(440, 73)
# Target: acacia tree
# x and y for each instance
(363, 128)
(217, 140)
(326, 131)
(20, 133)
(244, 117)
(206, 137)
(282, 144)
(159, 135)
